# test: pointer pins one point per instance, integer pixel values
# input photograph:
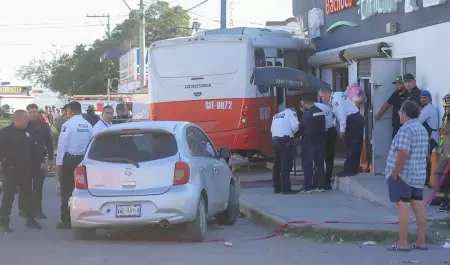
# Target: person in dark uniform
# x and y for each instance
(90, 116)
(395, 101)
(351, 128)
(283, 128)
(312, 130)
(330, 141)
(40, 134)
(74, 138)
(413, 91)
(17, 152)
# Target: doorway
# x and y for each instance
(339, 84)
(340, 79)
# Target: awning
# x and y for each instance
(289, 78)
(366, 51)
(325, 58)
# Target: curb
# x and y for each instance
(321, 233)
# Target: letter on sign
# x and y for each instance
(427, 3)
(369, 8)
(411, 6)
(333, 6)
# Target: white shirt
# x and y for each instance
(74, 138)
(430, 115)
(342, 108)
(328, 111)
(100, 125)
(284, 123)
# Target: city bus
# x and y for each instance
(206, 79)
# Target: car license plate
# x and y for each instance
(128, 210)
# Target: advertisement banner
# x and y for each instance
(129, 70)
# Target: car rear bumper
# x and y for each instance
(178, 205)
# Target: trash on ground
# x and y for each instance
(369, 243)
(411, 261)
(228, 244)
(287, 235)
(446, 245)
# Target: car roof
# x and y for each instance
(164, 125)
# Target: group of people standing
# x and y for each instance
(26, 151)
(318, 130)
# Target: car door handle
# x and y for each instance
(202, 169)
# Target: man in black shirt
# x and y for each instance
(395, 101)
(312, 129)
(413, 91)
(17, 152)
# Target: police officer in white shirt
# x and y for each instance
(429, 117)
(351, 127)
(105, 120)
(330, 140)
(284, 126)
(76, 133)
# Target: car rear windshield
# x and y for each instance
(138, 147)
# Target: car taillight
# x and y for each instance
(80, 177)
(181, 174)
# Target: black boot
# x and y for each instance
(64, 225)
(31, 223)
(4, 227)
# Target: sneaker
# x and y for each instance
(33, 224)
(303, 190)
(63, 225)
(319, 190)
(444, 207)
(5, 229)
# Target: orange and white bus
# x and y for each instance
(205, 79)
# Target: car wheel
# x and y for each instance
(230, 216)
(196, 230)
(79, 233)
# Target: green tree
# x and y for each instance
(85, 71)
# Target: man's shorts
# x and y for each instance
(400, 191)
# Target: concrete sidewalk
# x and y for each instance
(263, 206)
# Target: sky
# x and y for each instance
(35, 28)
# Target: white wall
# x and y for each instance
(352, 72)
(430, 46)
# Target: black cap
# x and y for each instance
(398, 80)
(408, 77)
(65, 107)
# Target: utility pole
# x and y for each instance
(142, 49)
(223, 14)
(108, 35)
(108, 25)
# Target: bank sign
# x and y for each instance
(369, 8)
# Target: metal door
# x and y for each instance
(383, 72)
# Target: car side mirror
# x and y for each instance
(224, 153)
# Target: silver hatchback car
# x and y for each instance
(153, 173)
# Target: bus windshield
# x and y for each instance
(198, 59)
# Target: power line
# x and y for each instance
(58, 27)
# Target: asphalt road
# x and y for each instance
(139, 247)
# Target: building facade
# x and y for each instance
(371, 42)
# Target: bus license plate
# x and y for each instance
(128, 210)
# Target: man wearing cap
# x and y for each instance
(56, 130)
(395, 100)
(429, 117)
(413, 91)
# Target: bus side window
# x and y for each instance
(260, 61)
